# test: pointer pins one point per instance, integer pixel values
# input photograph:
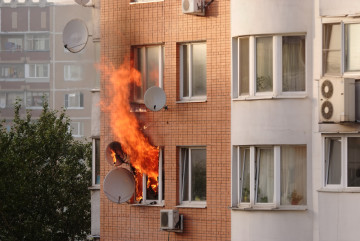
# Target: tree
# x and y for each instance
(44, 179)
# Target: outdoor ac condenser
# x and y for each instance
(169, 218)
(196, 7)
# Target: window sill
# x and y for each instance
(94, 187)
(340, 190)
(191, 101)
(271, 208)
(151, 204)
(192, 205)
(144, 1)
(269, 97)
(74, 108)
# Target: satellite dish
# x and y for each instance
(155, 98)
(119, 185)
(114, 154)
(75, 35)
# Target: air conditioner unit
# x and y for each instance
(337, 100)
(196, 7)
(169, 219)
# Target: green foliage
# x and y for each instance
(44, 180)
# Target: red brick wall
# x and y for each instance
(205, 124)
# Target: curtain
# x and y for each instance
(245, 174)
(293, 63)
(264, 175)
(352, 47)
(293, 175)
(332, 48)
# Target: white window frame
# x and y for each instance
(189, 61)
(30, 40)
(93, 166)
(80, 100)
(160, 200)
(29, 94)
(143, 69)
(80, 128)
(236, 181)
(68, 68)
(27, 71)
(194, 204)
(277, 91)
(342, 22)
(343, 186)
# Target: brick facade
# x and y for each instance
(184, 124)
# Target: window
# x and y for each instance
(35, 98)
(14, 22)
(72, 72)
(74, 100)
(12, 71)
(96, 162)
(14, 43)
(37, 70)
(341, 51)
(193, 175)
(8, 99)
(76, 128)
(193, 71)
(149, 61)
(152, 193)
(37, 42)
(279, 66)
(341, 161)
(277, 174)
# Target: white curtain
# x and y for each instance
(245, 174)
(352, 47)
(332, 48)
(264, 175)
(333, 160)
(293, 63)
(293, 175)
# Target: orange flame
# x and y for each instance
(143, 156)
(113, 155)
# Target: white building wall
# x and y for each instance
(275, 121)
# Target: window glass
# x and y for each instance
(74, 100)
(264, 163)
(332, 48)
(198, 175)
(97, 161)
(352, 47)
(12, 71)
(245, 174)
(12, 97)
(333, 160)
(148, 60)
(353, 162)
(293, 63)
(185, 70)
(264, 64)
(293, 175)
(35, 98)
(185, 174)
(199, 70)
(244, 66)
(72, 72)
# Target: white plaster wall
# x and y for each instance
(270, 16)
(271, 225)
(339, 8)
(274, 121)
(95, 212)
(95, 113)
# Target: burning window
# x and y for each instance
(149, 189)
(148, 61)
(193, 175)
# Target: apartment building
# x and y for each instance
(34, 62)
(189, 58)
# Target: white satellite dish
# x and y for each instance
(155, 98)
(75, 35)
(119, 185)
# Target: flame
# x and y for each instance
(113, 155)
(143, 156)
